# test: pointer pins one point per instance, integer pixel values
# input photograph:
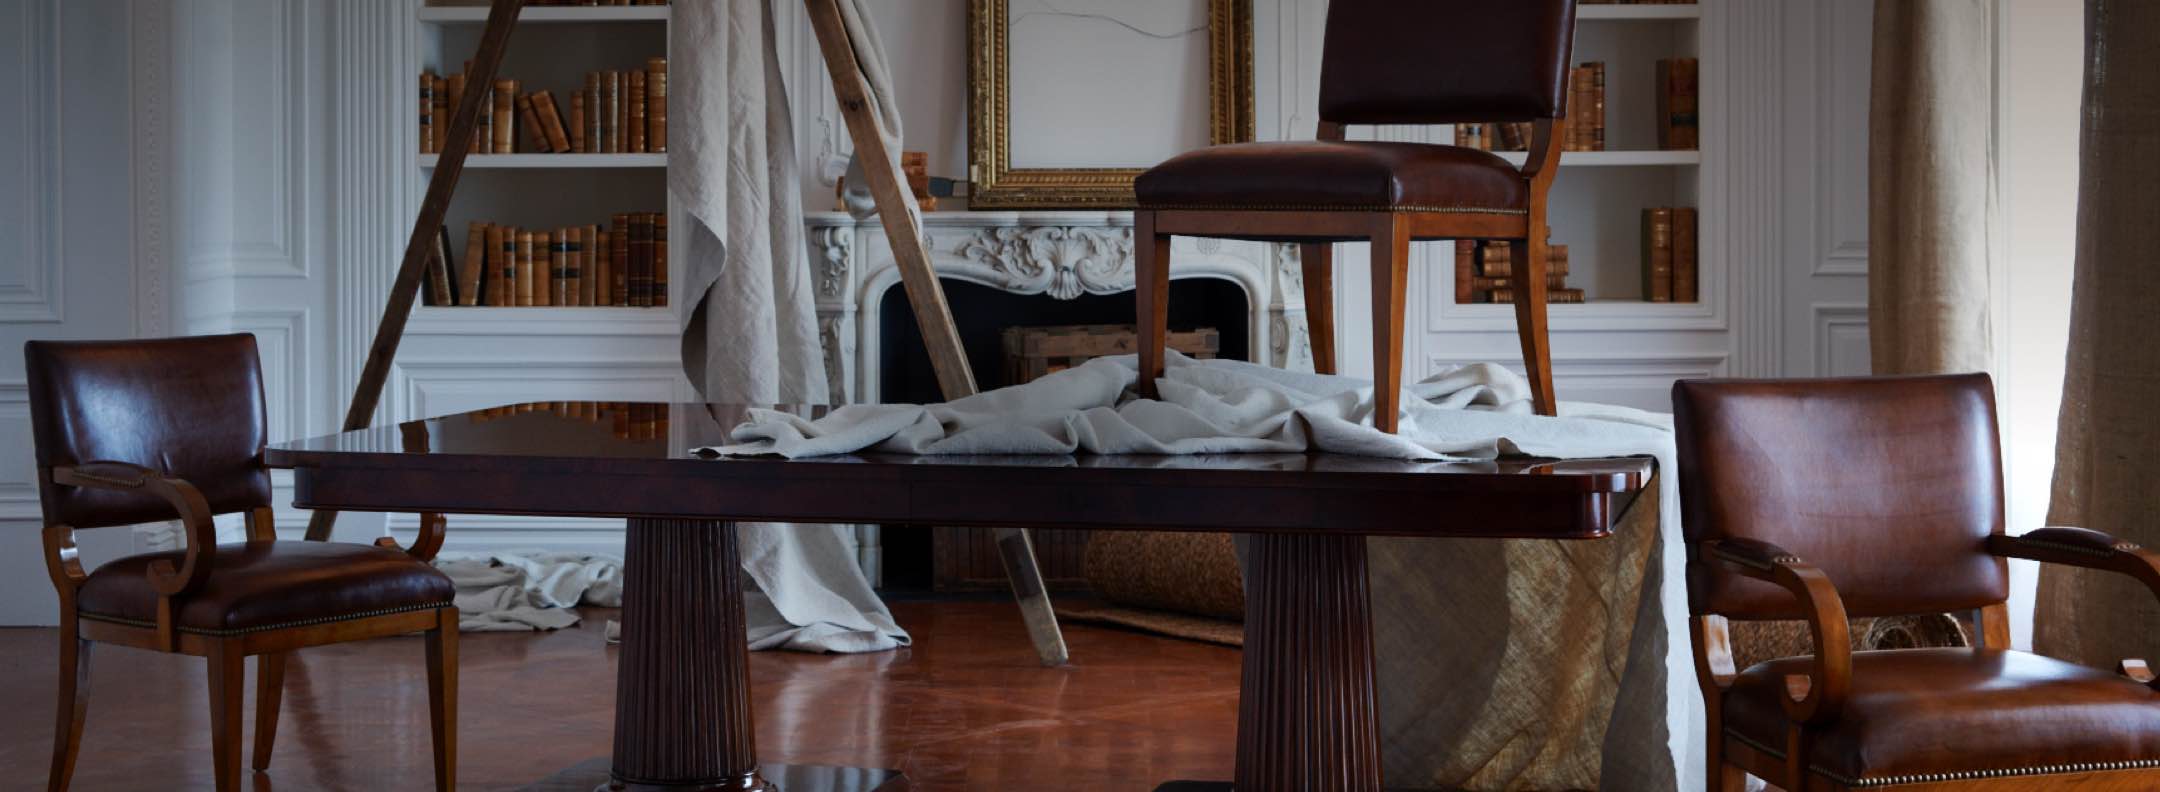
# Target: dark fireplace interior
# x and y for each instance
(912, 556)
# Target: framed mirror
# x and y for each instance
(1069, 100)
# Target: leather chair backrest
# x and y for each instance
(1889, 485)
(1445, 61)
(190, 408)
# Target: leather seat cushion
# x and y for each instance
(1335, 175)
(1920, 712)
(266, 585)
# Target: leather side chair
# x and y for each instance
(1384, 62)
(1827, 499)
(132, 432)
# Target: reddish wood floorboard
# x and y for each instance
(966, 708)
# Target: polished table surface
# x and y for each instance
(1307, 716)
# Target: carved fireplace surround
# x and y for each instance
(1060, 254)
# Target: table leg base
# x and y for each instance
(592, 776)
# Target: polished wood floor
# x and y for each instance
(966, 708)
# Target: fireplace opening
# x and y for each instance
(963, 559)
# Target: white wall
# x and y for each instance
(79, 253)
(2039, 75)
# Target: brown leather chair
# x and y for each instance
(1827, 499)
(1384, 62)
(132, 432)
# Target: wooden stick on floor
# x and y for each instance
(932, 315)
(502, 16)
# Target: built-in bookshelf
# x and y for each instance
(547, 189)
(1600, 198)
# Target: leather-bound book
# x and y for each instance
(1686, 109)
(471, 271)
(427, 112)
(656, 105)
(567, 287)
(577, 123)
(545, 257)
(611, 111)
(1657, 254)
(1684, 270)
(1497, 260)
(1465, 260)
(619, 259)
(453, 97)
(641, 278)
(551, 123)
(1597, 106)
(634, 82)
(501, 269)
(659, 258)
(589, 266)
(1489, 284)
(595, 143)
(439, 115)
(604, 291)
(505, 129)
(529, 119)
(484, 126)
(525, 274)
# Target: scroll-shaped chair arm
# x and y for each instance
(1818, 696)
(427, 543)
(187, 502)
(2081, 547)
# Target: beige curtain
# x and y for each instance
(1930, 186)
(2109, 433)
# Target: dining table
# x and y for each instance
(1307, 712)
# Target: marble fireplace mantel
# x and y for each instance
(1059, 254)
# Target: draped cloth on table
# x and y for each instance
(1503, 665)
(1931, 186)
(750, 332)
(2107, 436)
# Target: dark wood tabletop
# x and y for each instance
(636, 460)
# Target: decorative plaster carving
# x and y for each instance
(1061, 261)
(836, 254)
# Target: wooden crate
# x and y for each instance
(1033, 352)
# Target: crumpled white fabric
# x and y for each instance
(523, 591)
(1474, 412)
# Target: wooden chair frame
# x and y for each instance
(227, 654)
(1815, 699)
(1390, 233)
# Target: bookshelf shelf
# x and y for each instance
(543, 161)
(1637, 12)
(1619, 159)
(475, 15)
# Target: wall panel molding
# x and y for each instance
(1840, 340)
(31, 278)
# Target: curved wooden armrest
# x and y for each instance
(1819, 695)
(2081, 547)
(1543, 157)
(427, 543)
(187, 503)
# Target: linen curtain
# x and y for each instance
(1930, 186)
(750, 335)
(2108, 437)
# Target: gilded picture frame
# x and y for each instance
(996, 183)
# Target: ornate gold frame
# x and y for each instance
(995, 184)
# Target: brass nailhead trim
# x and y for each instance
(268, 627)
(1961, 775)
(1787, 559)
(2118, 547)
(1328, 208)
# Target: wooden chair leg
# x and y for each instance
(1530, 324)
(1151, 290)
(74, 687)
(269, 694)
(1318, 260)
(1390, 272)
(228, 687)
(442, 668)
(1728, 778)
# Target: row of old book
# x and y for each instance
(1585, 129)
(569, 2)
(1485, 271)
(1678, 100)
(1671, 272)
(627, 420)
(624, 264)
(616, 112)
